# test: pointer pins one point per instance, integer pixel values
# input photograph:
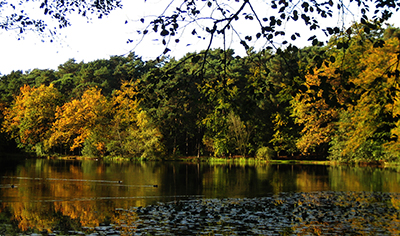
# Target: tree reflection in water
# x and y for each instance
(43, 198)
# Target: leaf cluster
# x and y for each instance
(16, 15)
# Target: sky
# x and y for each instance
(100, 39)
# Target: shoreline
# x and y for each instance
(210, 160)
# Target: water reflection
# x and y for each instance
(346, 178)
(61, 194)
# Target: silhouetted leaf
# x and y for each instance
(166, 50)
(164, 32)
(244, 44)
(312, 38)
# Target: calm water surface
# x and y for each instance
(43, 193)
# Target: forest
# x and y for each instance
(340, 101)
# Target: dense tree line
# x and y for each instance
(340, 101)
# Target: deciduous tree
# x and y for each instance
(79, 120)
(329, 88)
(29, 118)
(132, 132)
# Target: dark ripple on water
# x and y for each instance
(320, 213)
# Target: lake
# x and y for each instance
(40, 195)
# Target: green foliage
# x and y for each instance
(93, 145)
(171, 98)
(265, 153)
(132, 132)
(367, 149)
(286, 75)
(239, 133)
(147, 139)
(28, 120)
(340, 101)
(10, 85)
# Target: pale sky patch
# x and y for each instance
(100, 39)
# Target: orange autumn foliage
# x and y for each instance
(76, 119)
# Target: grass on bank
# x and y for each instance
(212, 160)
(249, 160)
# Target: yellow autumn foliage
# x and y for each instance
(132, 132)
(77, 119)
(359, 83)
(312, 110)
(31, 114)
(378, 63)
